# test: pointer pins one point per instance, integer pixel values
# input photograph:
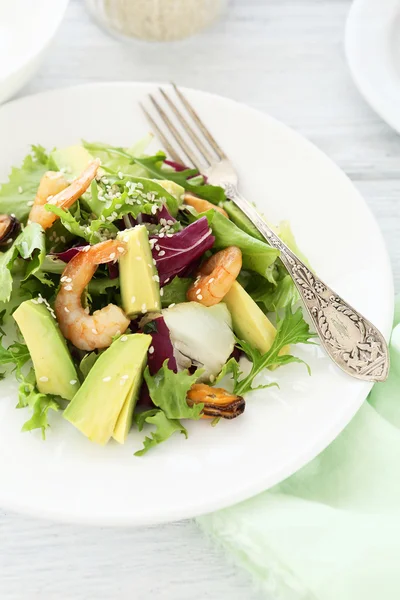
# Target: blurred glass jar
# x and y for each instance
(156, 20)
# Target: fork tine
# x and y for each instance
(191, 133)
(184, 146)
(220, 153)
(173, 154)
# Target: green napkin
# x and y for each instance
(332, 530)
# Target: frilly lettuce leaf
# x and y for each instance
(291, 329)
(30, 244)
(168, 391)
(21, 188)
(164, 428)
(40, 404)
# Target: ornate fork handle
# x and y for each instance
(352, 342)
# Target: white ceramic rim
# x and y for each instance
(367, 49)
(42, 41)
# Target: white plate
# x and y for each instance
(26, 29)
(372, 45)
(68, 478)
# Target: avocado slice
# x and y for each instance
(140, 290)
(110, 390)
(249, 322)
(55, 372)
(124, 421)
(176, 190)
(73, 159)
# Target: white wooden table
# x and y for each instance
(284, 57)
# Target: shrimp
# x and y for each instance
(54, 189)
(86, 331)
(202, 205)
(216, 276)
(217, 401)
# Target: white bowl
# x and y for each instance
(68, 478)
(26, 30)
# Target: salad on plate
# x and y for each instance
(134, 295)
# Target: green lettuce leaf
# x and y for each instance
(168, 391)
(175, 292)
(231, 367)
(30, 244)
(16, 354)
(21, 188)
(190, 179)
(257, 256)
(119, 162)
(272, 297)
(165, 427)
(291, 329)
(40, 404)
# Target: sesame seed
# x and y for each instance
(30, 203)
(95, 331)
(150, 266)
(161, 253)
(124, 376)
(211, 280)
(162, 292)
(120, 249)
(151, 350)
(199, 297)
(157, 248)
(105, 379)
(62, 239)
(44, 379)
(212, 378)
(133, 299)
(87, 311)
(171, 305)
(154, 209)
(68, 279)
(138, 258)
(112, 255)
(167, 280)
(118, 206)
(73, 381)
(144, 308)
(138, 243)
(124, 338)
(156, 278)
(120, 175)
(66, 309)
(63, 278)
(154, 261)
(67, 288)
(20, 190)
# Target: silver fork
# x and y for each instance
(351, 341)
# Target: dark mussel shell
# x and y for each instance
(9, 229)
(217, 401)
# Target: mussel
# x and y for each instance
(217, 401)
(9, 229)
